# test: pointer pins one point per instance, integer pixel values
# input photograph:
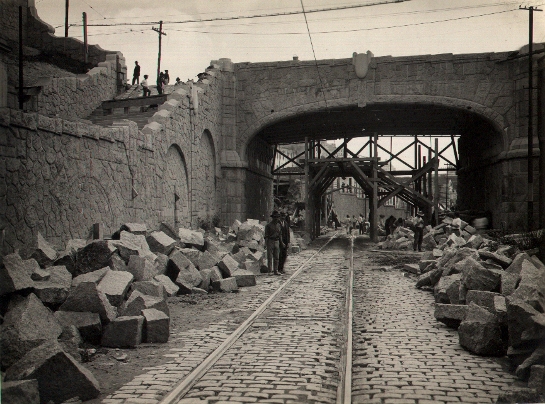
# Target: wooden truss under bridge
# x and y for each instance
(412, 185)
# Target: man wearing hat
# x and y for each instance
(418, 231)
(285, 241)
(273, 240)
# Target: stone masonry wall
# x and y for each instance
(59, 177)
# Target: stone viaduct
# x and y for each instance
(207, 151)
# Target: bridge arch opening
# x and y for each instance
(479, 133)
(176, 188)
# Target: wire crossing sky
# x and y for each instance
(275, 30)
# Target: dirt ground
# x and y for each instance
(115, 367)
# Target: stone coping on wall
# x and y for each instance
(121, 131)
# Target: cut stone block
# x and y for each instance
(156, 326)
(536, 358)
(150, 288)
(227, 266)
(451, 283)
(192, 255)
(159, 242)
(477, 277)
(117, 263)
(225, 285)
(191, 238)
(253, 266)
(161, 264)
(244, 278)
(520, 323)
(115, 285)
(500, 309)
(27, 324)
(531, 288)
(140, 241)
(138, 301)
(182, 271)
(480, 332)
(450, 314)
(142, 268)
(21, 392)
(40, 274)
(412, 268)
(215, 274)
(207, 260)
(123, 332)
(87, 323)
(482, 298)
(475, 241)
(429, 278)
(170, 287)
(94, 277)
(205, 275)
(93, 256)
(44, 253)
(60, 377)
(15, 274)
(54, 290)
(68, 256)
(536, 381)
(87, 297)
(498, 258)
(126, 249)
(134, 228)
(518, 395)
(70, 340)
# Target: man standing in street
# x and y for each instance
(418, 231)
(136, 74)
(285, 241)
(273, 233)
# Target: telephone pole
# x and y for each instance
(531, 10)
(161, 33)
(85, 44)
(66, 18)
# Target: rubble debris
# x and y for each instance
(55, 289)
(87, 323)
(244, 278)
(87, 297)
(43, 364)
(15, 274)
(21, 392)
(160, 242)
(44, 253)
(191, 238)
(70, 340)
(123, 332)
(93, 256)
(480, 332)
(170, 287)
(138, 301)
(142, 268)
(115, 285)
(450, 314)
(95, 276)
(225, 285)
(151, 288)
(156, 326)
(227, 266)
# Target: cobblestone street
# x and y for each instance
(402, 354)
(292, 352)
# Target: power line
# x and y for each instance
(92, 8)
(314, 54)
(318, 10)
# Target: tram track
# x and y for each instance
(180, 390)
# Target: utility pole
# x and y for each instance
(85, 45)
(66, 19)
(21, 94)
(161, 33)
(531, 10)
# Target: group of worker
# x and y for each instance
(162, 80)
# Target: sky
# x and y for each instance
(412, 27)
(387, 27)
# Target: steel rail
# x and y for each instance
(344, 391)
(183, 387)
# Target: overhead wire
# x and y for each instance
(314, 54)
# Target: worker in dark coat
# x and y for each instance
(273, 233)
(285, 238)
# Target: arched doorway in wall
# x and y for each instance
(206, 183)
(175, 189)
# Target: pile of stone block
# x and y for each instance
(494, 295)
(449, 230)
(107, 292)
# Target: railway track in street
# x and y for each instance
(343, 328)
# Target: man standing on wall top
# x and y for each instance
(273, 234)
(136, 73)
(146, 91)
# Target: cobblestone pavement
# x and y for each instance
(403, 355)
(291, 353)
(196, 344)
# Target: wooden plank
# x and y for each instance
(364, 177)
